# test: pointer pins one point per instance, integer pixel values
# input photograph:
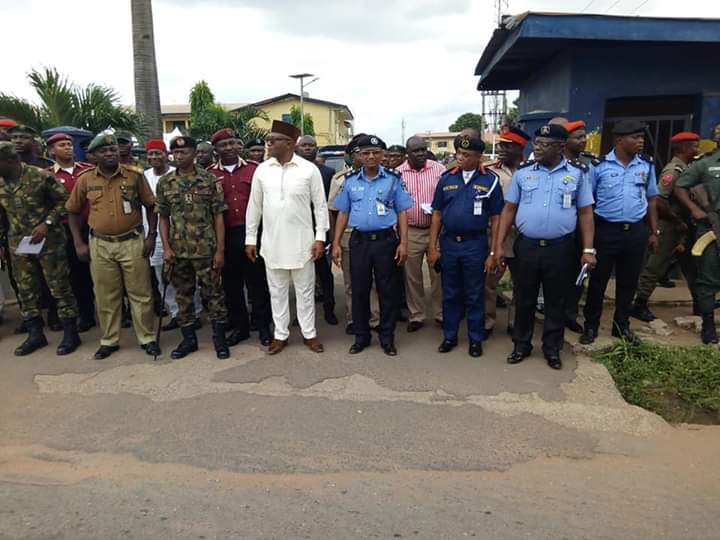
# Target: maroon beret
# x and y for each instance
(59, 137)
(222, 134)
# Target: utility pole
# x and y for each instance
(302, 77)
(402, 131)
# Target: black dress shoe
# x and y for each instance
(350, 329)
(172, 325)
(356, 347)
(475, 349)
(105, 350)
(414, 326)
(518, 355)
(642, 313)
(236, 336)
(389, 349)
(588, 336)
(151, 349)
(625, 334)
(330, 317)
(573, 326)
(553, 360)
(447, 346)
(265, 336)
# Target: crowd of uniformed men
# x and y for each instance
(230, 220)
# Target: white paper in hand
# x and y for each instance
(426, 208)
(26, 248)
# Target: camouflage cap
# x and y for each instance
(100, 140)
(124, 136)
(22, 129)
(7, 150)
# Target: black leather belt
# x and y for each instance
(463, 237)
(621, 225)
(118, 237)
(375, 235)
(544, 242)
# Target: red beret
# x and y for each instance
(574, 126)
(59, 137)
(6, 122)
(155, 144)
(515, 135)
(222, 134)
(685, 136)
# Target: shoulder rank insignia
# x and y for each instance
(351, 172)
(645, 157)
(579, 164)
(527, 163)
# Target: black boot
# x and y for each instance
(221, 347)
(709, 334)
(21, 329)
(71, 338)
(36, 338)
(53, 321)
(641, 312)
(188, 345)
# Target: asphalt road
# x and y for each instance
(335, 446)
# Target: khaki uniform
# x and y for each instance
(116, 247)
(671, 237)
(192, 201)
(491, 280)
(336, 185)
(25, 203)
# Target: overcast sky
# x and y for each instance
(385, 59)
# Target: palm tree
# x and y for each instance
(62, 103)
(147, 90)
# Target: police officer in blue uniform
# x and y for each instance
(467, 198)
(546, 200)
(373, 201)
(624, 188)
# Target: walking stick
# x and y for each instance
(165, 275)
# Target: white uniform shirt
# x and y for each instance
(156, 259)
(283, 197)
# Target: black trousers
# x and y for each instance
(373, 255)
(80, 278)
(327, 282)
(574, 293)
(620, 247)
(548, 265)
(239, 272)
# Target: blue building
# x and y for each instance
(602, 69)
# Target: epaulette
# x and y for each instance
(678, 169)
(85, 171)
(594, 160)
(645, 157)
(393, 172)
(351, 172)
(579, 164)
(450, 171)
(133, 168)
(527, 163)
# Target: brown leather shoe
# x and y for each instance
(314, 345)
(277, 345)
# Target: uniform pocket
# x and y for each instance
(527, 190)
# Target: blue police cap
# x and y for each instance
(628, 127)
(474, 144)
(552, 131)
(370, 141)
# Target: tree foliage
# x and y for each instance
(63, 103)
(467, 120)
(309, 123)
(207, 116)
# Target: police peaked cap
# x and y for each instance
(183, 142)
(400, 149)
(474, 144)
(370, 141)
(628, 127)
(255, 142)
(552, 131)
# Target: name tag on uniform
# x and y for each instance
(477, 208)
(567, 199)
(127, 208)
(381, 211)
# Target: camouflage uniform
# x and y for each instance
(32, 199)
(192, 201)
(672, 236)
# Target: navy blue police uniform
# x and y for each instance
(547, 211)
(622, 195)
(466, 209)
(373, 205)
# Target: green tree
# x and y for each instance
(62, 103)
(207, 116)
(467, 120)
(309, 124)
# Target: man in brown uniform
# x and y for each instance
(510, 149)
(118, 253)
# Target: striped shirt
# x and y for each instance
(421, 185)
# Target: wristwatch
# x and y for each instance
(48, 222)
(589, 251)
(658, 232)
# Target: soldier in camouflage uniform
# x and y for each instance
(705, 172)
(674, 229)
(191, 203)
(33, 203)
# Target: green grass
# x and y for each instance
(681, 384)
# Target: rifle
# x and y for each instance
(165, 276)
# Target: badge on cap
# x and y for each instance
(545, 130)
(465, 143)
(374, 140)
(180, 142)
